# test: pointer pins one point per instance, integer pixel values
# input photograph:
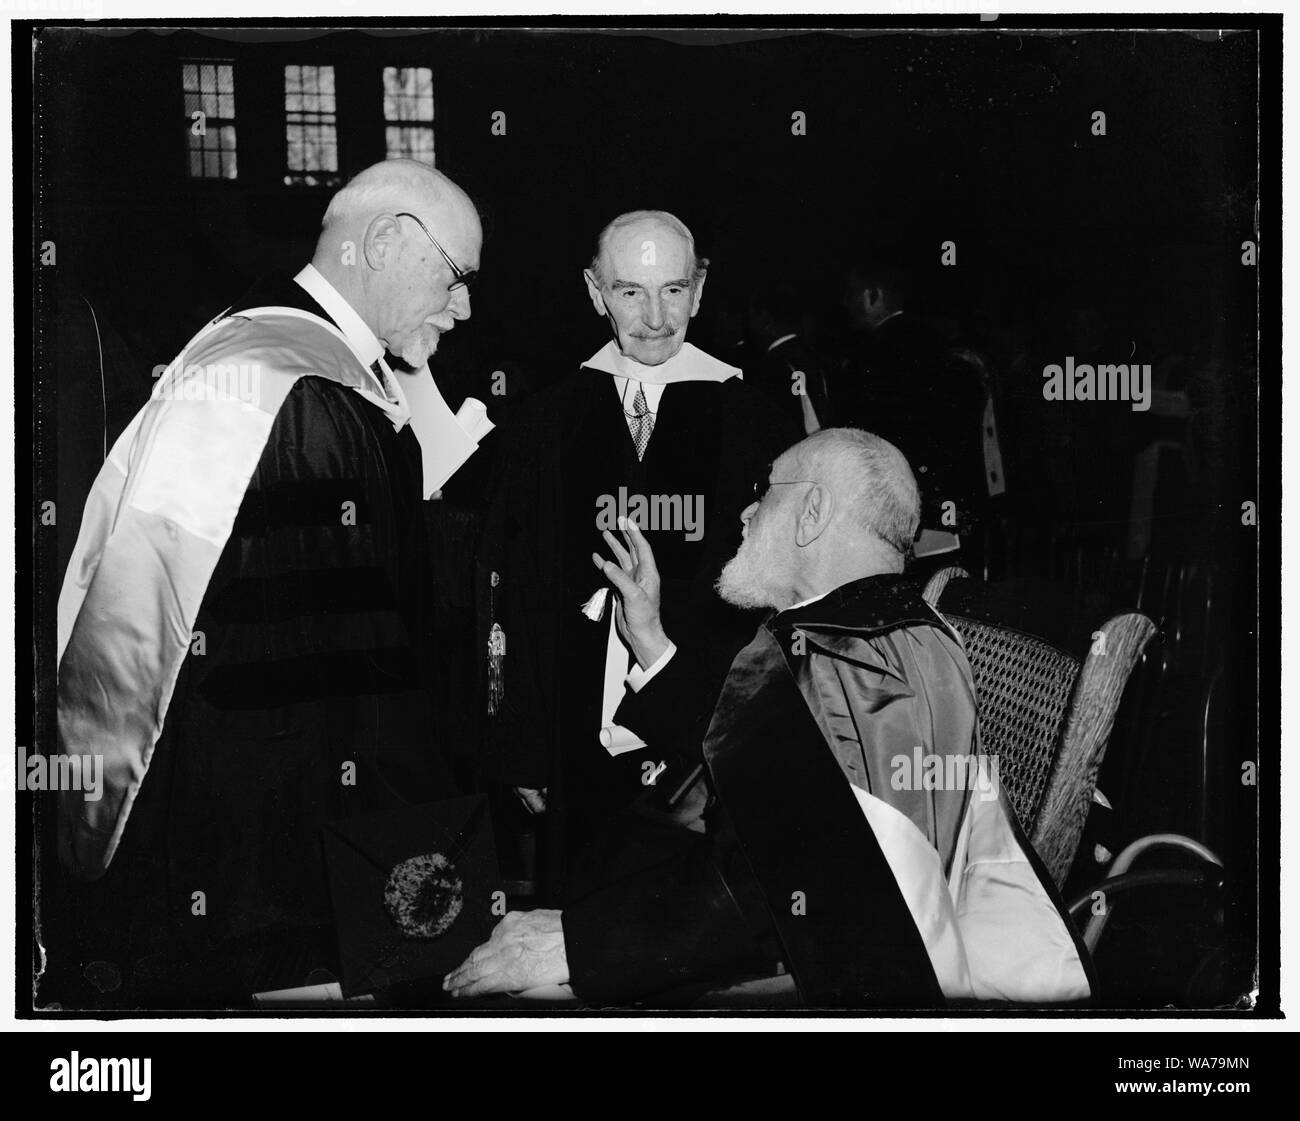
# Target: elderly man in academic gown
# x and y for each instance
(245, 625)
(835, 851)
(652, 426)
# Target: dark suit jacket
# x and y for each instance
(568, 447)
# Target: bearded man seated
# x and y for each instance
(857, 838)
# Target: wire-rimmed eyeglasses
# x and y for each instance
(464, 277)
(761, 486)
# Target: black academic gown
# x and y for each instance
(308, 702)
(790, 870)
(568, 447)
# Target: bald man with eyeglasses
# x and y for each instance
(246, 627)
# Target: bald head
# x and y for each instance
(662, 229)
(393, 185)
(870, 479)
(374, 252)
(646, 280)
(843, 505)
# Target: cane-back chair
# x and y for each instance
(1046, 716)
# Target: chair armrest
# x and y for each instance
(1118, 878)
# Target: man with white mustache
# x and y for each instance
(648, 414)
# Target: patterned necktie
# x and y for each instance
(640, 422)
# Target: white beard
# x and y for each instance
(421, 347)
(746, 579)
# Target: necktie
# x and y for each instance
(640, 422)
(378, 370)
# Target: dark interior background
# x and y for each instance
(1067, 243)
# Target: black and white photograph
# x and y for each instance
(588, 518)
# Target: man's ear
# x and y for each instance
(593, 290)
(815, 516)
(379, 245)
(873, 297)
(699, 291)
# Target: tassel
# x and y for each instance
(594, 608)
(496, 651)
(496, 682)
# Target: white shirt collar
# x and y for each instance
(388, 393)
(810, 599)
(688, 364)
(783, 339)
(360, 337)
(627, 394)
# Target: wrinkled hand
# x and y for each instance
(526, 950)
(636, 579)
(534, 800)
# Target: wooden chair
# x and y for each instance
(1049, 718)
(1046, 717)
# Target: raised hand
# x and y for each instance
(636, 580)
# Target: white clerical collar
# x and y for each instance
(783, 339)
(688, 364)
(891, 315)
(360, 337)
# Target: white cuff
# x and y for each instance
(638, 677)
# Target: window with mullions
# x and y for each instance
(209, 89)
(311, 126)
(408, 101)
